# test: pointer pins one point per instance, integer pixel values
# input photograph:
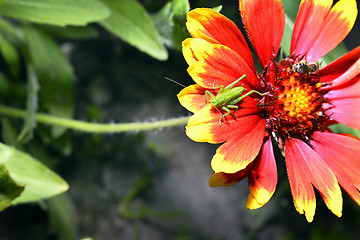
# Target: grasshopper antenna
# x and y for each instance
(171, 80)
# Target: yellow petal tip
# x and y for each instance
(258, 198)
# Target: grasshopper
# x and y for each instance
(228, 97)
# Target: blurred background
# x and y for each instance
(146, 185)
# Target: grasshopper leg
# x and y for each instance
(207, 94)
(235, 107)
(227, 110)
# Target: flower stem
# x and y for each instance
(94, 127)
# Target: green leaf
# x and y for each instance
(31, 106)
(218, 8)
(57, 12)
(334, 54)
(286, 41)
(180, 9)
(70, 32)
(11, 32)
(170, 21)
(9, 134)
(54, 73)
(291, 8)
(9, 189)
(62, 217)
(40, 182)
(340, 128)
(11, 55)
(130, 21)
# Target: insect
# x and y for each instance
(227, 97)
(304, 67)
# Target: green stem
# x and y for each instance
(94, 127)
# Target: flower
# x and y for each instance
(297, 105)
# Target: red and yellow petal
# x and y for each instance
(188, 54)
(308, 23)
(344, 89)
(306, 169)
(215, 28)
(344, 97)
(239, 151)
(204, 125)
(338, 67)
(263, 177)
(212, 65)
(264, 21)
(319, 29)
(341, 153)
(229, 179)
(346, 78)
(193, 97)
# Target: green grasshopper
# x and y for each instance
(228, 97)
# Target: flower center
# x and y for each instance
(297, 99)
(293, 105)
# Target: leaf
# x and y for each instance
(340, 128)
(70, 32)
(54, 73)
(180, 9)
(130, 22)
(9, 134)
(31, 106)
(334, 54)
(57, 12)
(10, 32)
(9, 189)
(218, 8)
(62, 217)
(291, 8)
(286, 41)
(10, 54)
(170, 21)
(40, 182)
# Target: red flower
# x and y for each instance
(298, 105)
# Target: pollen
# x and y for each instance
(297, 98)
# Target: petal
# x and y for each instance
(319, 29)
(214, 64)
(240, 150)
(350, 91)
(263, 180)
(346, 78)
(301, 188)
(204, 125)
(192, 97)
(264, 21)
(308, 23)
(188, 54)
(346, 111)
(306, 168)
(229, 179)
(339, 66)
(213, 27)
(341, 153)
